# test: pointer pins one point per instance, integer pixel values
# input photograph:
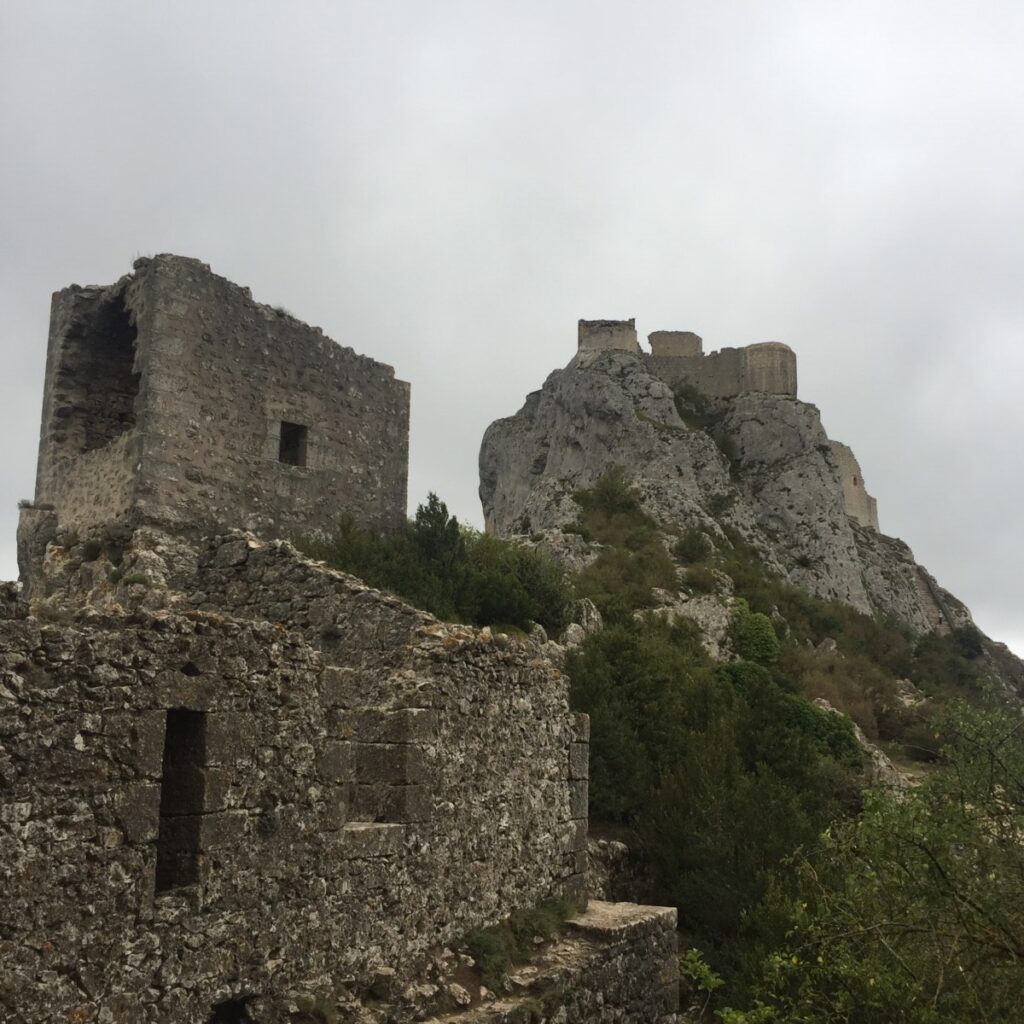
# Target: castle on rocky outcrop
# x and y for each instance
(769, 367)
(715, 442)
(236, 785)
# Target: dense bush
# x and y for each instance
(913, 914)
(721, 771)
(753, 635)
(449, 570)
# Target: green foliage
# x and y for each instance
(496, 950)
(449, 570)
(694, 545)
(701, 579)
(621, 578)
(698, 760)
(753, 635)
(915, 913)
(859, 676)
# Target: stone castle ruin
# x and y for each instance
(173, 399)
(678, 358)
(237, 785)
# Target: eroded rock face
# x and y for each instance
(771, 474)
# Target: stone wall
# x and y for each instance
(616, 963)
(172, 398)
(859, 504)
(769, 367)
(596, 335)
(675, 344)
(350, 806)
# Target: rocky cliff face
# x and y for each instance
(760, 463)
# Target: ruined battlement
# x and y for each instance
(597, 335)
(860, 506)
(678, 357)
(172, 398)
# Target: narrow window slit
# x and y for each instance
(292, 451)
(182, 796)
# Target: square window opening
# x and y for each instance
(294, 437)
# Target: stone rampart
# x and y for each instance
(769, 367)
(860, 505)
(675, 344)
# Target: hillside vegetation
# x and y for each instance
(805, 897)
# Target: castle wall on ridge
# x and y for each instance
(860, 505)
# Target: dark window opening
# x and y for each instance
(231, 1011)
(182, 796)
(96, 384)
(293, 444)
(854, 481)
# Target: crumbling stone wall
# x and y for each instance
(171, 398)
(678, 357)
(768, 367)
(597, 335)
(617, 962)
(352, 806)
(859, 504)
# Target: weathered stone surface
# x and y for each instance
(371, 782)
(616, 963)
(781, 485)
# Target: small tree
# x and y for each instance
(753, 636)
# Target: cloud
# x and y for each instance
(449, 186)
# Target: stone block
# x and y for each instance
(138, 810)
(578, 798)
(579, 760)
(339, 686)
(403, 725)
(222, 829)
(581, 727)
(337, 800)
(385, 803)
(578, 836)
(230, 737)
(392, 763)
(361, 839)
(147, 742)
(336, 761)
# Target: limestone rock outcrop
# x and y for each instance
(761, 463)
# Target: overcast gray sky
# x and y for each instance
(448, 185)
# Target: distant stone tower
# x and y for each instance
(860, 506)
(173, 399)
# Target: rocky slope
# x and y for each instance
(759, 463)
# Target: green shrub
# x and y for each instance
(452, 571)
(753, 636)
(914, 913)
(693, 546)
(701, 579)
(620, 580)
(699, 760)
(496, 950)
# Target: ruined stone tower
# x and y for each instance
(173, 399)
